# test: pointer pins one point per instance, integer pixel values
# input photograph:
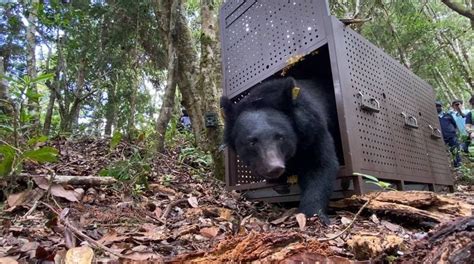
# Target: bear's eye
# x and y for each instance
(279, 137)
(252, 141)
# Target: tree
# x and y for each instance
(196, 79)
(33, 95)
(462, 10)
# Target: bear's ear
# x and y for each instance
(226, 108)
(290, 91)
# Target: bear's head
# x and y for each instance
(260, 130)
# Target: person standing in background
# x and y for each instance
(459, 114)
(449, 131)
(470, 129)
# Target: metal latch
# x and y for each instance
(410, 121)
(435, 133)
(369, 104)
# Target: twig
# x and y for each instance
(50, 183)
(349, 21)
(353, 220)
(13, 147)
(170, 206)
(82, 235)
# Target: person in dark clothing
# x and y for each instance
(449, 131)
(470, 129)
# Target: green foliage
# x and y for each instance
(135, 170)
(6, 165)
(21, 91)
(425, 31)
(13, 158)
(373, 180)
(44, 154)
(195, 157)
(166, 179)
(172, 130)
(116, 138)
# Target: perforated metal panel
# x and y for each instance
(258, 37)
(429, 124)
(369, 107)
(386, 114)
(410, 144)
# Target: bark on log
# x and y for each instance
(76, 180)
(418, 206)
(451, 242)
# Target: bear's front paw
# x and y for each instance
(316, 212)
(324, 218)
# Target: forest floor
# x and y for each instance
(185, 216)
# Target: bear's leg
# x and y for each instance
(316, 182)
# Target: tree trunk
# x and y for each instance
(454, 52)
(445, 83)
(462, 10)
(133, 101)
(166, 110)
(110, 108)
(209, 83)
(33, 102)
(49, 113)
(168, 99)
(198, 82)
(6, 105)
(69, 112)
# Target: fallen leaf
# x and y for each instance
(375, 219)
(139, 256)
(301, 219)
(209, 232)
(345, 221)
(150, 232)
(158, 212)
(79, 255)
(183, 230)
(285, 216)
(56, 189)
(193, 201)
(111, 237)
(390, 226)
(22, 198)
(29, 246)
(225, 214)
(79, 192)
(279, 220)
(59, 191)
(8, 260)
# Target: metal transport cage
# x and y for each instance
(388, 126)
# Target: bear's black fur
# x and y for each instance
(278, 135)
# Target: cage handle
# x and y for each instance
(371, 104)
(435, 132)
(410, 121)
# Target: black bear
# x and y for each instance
(281, 128)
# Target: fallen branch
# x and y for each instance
(349, 21)
(82, 235)
(171, 205)
(418, 206)
(352, 222)
(75, 180)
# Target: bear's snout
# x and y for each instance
(274, 164)
(275, 171)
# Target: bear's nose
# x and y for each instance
(276, 171)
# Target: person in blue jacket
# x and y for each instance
(449, 130)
